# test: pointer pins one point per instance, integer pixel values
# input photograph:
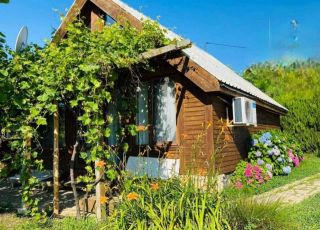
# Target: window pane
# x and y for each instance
(114, 126)
(109, 20)
(165, 110)
(142, 116)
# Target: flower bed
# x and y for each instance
(271, 153)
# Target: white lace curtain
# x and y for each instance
(165, 111)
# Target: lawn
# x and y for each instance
(309, 167)
(307, 213)
(12, 222)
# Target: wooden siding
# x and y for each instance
(231, 142)
(196, 139)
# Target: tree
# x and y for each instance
(297, 87)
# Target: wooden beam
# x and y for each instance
(116, 12)
(166, 49)
(101, 210)
(56, 161)
(28, 144)
(195, 73)
(96, 19)
(72, 13)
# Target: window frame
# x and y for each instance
(151, 83)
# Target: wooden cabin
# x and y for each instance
(199, 112)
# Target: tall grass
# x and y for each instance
(168, 204)
(251, 214)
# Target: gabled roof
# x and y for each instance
(218, 70)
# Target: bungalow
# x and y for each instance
(190, 95)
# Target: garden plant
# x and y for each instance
(271, 153)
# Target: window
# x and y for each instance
(114, 126)
(143, 114)
(108, 20)
(165, 110)
(161, 96)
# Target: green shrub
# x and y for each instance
(250, 214)
(274, 152)
(167, 204)
(297, 87)
(249, 174)
(303, 123)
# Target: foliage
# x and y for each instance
(248, 174)
(63, 224)
(309, 168)
(249, 214)
(273, 151)
(296, 87)
(167, 204)
(83, 73)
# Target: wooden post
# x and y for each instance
(56, 162)
(27, 155)
(97, 21)
(101, 211)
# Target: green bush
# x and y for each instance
(275, 152)
(247, 174)
(303, 123)
(167, 204)
(297, 87)
(250, 214)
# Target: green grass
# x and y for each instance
(12, 221)
(309, 167)
(307, 213)
(247, 214)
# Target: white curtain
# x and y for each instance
(142, 116)
(165, 110)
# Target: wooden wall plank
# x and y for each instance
(234, 140)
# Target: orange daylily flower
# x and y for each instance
(141, 128)
(154, 186)
(227, 138)
(133, 196)
(104, 200)
(100, 164)
(202, 172)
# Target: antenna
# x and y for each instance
(222, 44)
(22, 39)
(269, 35)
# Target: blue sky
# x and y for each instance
(234, 22)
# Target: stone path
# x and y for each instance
(292, 193)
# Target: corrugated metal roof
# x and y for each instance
(223, 73)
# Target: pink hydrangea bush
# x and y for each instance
(247, 174)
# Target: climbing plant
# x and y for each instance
(85, 71)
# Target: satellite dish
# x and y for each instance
(22, 39)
